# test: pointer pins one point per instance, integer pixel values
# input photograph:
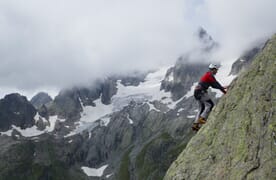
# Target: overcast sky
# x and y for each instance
(51, 44)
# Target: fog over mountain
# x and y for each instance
(52, 45)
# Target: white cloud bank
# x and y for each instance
(238, 24)
(59, 43)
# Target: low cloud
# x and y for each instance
(61, 43)
(236, 24)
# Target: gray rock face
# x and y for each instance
(246, 59)
(182, 76)
(108, 89)
(16, 110)
(40, 99)
(145, 138)
(238, 141)
(41, 125)
(43, 111)
(44, 159)
(68, 103)
(134, 79)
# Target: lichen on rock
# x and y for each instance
(238, 142)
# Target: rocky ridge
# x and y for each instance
(41, 99)
(16, 110)
(238, 141)
(243, 62)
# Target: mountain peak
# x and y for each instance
(202, 34)
(206, 41)
(41, 99)
(16, 110)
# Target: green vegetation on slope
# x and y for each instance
(28, 160)
(125, 163)
(156, 156)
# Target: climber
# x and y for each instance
(201, 95)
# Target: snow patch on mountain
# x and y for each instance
(146, 92)
(105, 120)
(191, 116)
(91, 114)
(33, 131)
(152, 107)
(149, 90)
(130, 120)
(93, 171)
(38, 117)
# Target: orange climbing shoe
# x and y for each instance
(202, 120)
(195, 127)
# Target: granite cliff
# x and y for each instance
(238, 141)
